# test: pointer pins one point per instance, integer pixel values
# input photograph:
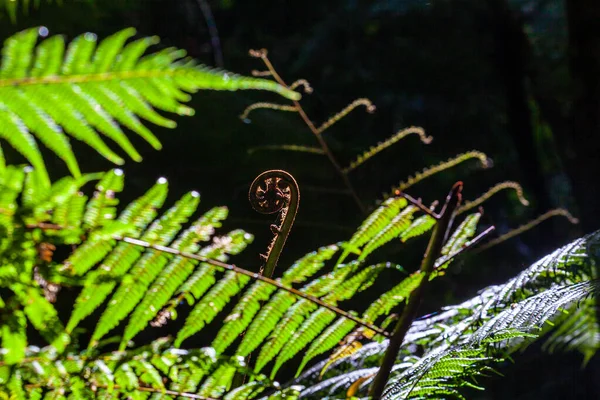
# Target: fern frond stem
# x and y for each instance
(523, 228)
(270, 106)
(345, 111)
(287, 147)
(469, 205)
(419, 204)
(373, 151)
(434, 249)
(429, 171)
(262, 54)
(86, 78)
(275, 191)
(257, 73)
(255, 276)
(305, 85)
(213, 32)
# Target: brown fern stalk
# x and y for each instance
(469, 205)
(439, 235)
(262, 54)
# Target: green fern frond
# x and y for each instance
(145, 270)
(378, 219)
(87, 90)
(272, 312)
(242, 315)
(392, 230)
(211, 304)
(578, 330)
(249, 305)
(14, 337)
(390, 299)
(308, 265)
(170, 278)
(322, 318)
(418, 227)
(328, 339)
(100, 283)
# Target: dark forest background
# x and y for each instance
(516, 79)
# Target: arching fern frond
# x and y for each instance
(85, 90)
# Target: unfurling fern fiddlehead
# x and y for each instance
(275, 191)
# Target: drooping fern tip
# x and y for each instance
(89, 89)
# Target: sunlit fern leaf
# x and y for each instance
(145, 270)
(534, 311)
(247, 391)
(272, 312)
(578, 330)
(220, 380)
(211, 304)
(444, 370)
(102, 207)
(15, 386)
(11, 185)
(100, 283)
(298, 326)
(373, 225)
(283, 331)
(322, 318)
(87, 90)
(308, 265)
(249, 305)
(202, 280)
(170, 278)
(14, 337)
(242, 315)
(42, 315)
(418, 227)
(384, 304)
(395, 227)
(461, 234)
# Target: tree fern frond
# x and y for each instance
(294, 332)
(418, 227)
(211, 304)
(578, 330)
(272, 312)
(89, 90)
(308, 265)
(42, 315)
(536, 310)
(384, 304)
(145, 270)
(14, 337)
(327, 340)
(249, 305)
(395, 227)
(378, 219)
(100, 283)
(242, 315)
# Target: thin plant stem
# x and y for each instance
(262, 54)
(434, 249)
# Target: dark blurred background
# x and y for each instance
(516, 79)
